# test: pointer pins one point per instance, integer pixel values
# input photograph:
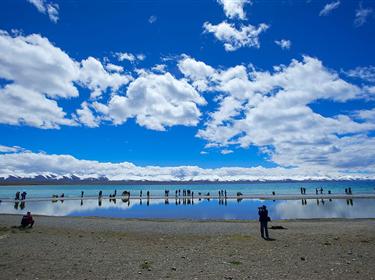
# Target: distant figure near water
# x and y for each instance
(263, 220)
(23, 195)
(27, 220)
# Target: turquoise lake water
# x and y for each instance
(195, 209)
(254, 188)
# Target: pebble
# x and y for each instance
(303, 259)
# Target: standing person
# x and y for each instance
(17, 196)
(82, 192)
(23, 195)
(263, 219)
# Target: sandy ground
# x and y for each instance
(103, 248)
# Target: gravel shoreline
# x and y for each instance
(109, 248)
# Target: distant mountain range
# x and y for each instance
(74, 180)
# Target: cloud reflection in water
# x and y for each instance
(214, 209)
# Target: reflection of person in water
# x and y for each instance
(263, 220)
(16, 203)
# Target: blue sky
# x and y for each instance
(276, 84)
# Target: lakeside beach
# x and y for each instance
(107, 248)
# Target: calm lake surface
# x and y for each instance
(195, 209)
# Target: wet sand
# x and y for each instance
(105, 248)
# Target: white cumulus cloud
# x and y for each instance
(328, 8)
(10, 149)
(271, 111)
(234, 8)
(284, 44)
(156, 101)
(366, 73)
(39, 74)
(94, 76)
(121, 56)
(46, 7)
(361, 15)
(30, 164)
(235, 38)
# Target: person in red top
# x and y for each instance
(27, 220)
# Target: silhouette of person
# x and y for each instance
(23, 195)
(82, 192)
(27, 220)
(17, 196)
(263, 220)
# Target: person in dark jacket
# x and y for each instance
(27, 220)
(263, 220)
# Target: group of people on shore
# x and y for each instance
(185, 193)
